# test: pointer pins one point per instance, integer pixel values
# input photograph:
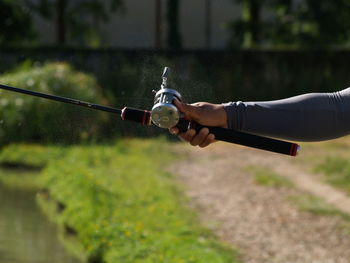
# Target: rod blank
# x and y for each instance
(62, 99)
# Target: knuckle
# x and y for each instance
(199, 104)
(211, 137)
(204, 131)
(189, 137)
(187, 133)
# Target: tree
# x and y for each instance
(174, 40)
(77, 20)
(310, 23)
(306, 23)
(207, 30)
(246, 31)
(158, 24)
(15, 24)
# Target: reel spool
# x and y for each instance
(164, 113)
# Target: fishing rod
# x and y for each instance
(165, 114)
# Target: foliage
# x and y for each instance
(28, 118)
(307, 23)
(20, 164)
(246, 31)
(19, 179)
(31, 155)
(174, 40)
(124, 206)
(77, 20)
(311, 23)
(15, 23)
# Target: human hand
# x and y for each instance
(203, 113)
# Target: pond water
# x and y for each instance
(26, 236)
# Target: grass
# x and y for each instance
(20, 164)
(31, 155)
(337, 171)
(315, 205)
(330, 159)
(266, 176)
(122, 204)
(19, 179)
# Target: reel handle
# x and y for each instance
(241, 138)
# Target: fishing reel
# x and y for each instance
(164, 113)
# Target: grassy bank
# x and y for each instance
(330, 159)
(120, 203)
(20, 165)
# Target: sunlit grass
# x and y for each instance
(329, 159)
(314, 152)
(266, 176)
(19, 180)
(315, 205)
(337, 171)
(20, 164)
(30, 154)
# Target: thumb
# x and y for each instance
(189, 110)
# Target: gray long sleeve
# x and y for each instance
(308, 117)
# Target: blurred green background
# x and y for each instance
(110, 193)
(258, 50)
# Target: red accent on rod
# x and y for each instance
(123, 113)
(294, 149)
(144, 117)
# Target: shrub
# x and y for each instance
(28, 118)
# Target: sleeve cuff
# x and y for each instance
(234, 119)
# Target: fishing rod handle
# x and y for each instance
(245, 139)
(136, 115)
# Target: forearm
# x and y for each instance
(309, 117)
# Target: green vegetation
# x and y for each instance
(20, 164)
(121, 203)
(19, 179)
(330, 160)
(315, 205)
(27, 118)
(265, 176)
(337, 171)
(77, 21)
(31, 155)
(15, 24)
(306, 23)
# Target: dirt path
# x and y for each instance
(261, 221)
